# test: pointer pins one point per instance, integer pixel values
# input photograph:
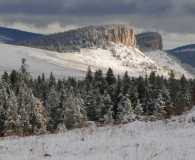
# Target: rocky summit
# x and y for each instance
(86, 37)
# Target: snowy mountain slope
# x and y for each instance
(168, 62)
(120, 59)
(160, 140)
(186, 54)
(117, 56)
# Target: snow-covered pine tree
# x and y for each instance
(52, 80)
(138, 108)
(26, 104)
(88, 79)
(8, 110)
(54, 111)
(39, 118)
(107, 110)
(94, 104)
(126, 83)
(124, 109)
(173, 86)
(5, 77)
(24, 74)
(183, 99)
(72, 109)
(99, 81)
(110, 78)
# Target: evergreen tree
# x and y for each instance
(126, 83)
(173, 88)
(138, 108)
(89, 79)
(107, 109)
(124, 109)
(52, 81)
(183, 100)
(24, 66)
(94, 105)
(14, 80)
(8, 110)
(110, 78)
(73, 113)
(5, 77)
(26, 104)
(99, 82)
(52, 104)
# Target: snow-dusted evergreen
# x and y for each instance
(48, 105)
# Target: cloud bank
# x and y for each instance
(49, 16)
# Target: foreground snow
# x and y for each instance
(173, 140)
(116, 56)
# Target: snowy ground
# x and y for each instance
(173, 140)
(116, 56)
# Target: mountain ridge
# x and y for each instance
(85, 37)
(186, 54)
(9, 35)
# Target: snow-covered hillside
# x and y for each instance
(168, 62)
(116, 56)
(39, 61)
(160, 140)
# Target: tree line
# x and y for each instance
(48, 105)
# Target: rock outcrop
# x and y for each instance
(86, 37)
(149, 41)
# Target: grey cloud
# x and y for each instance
(84, 7)
(169, 15)
(190, 8)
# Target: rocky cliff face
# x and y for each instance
(87, 37)
(119, 34)
(149, 41)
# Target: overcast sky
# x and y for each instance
(175, 16)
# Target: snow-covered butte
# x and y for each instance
(171, 140)
(85, 37)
